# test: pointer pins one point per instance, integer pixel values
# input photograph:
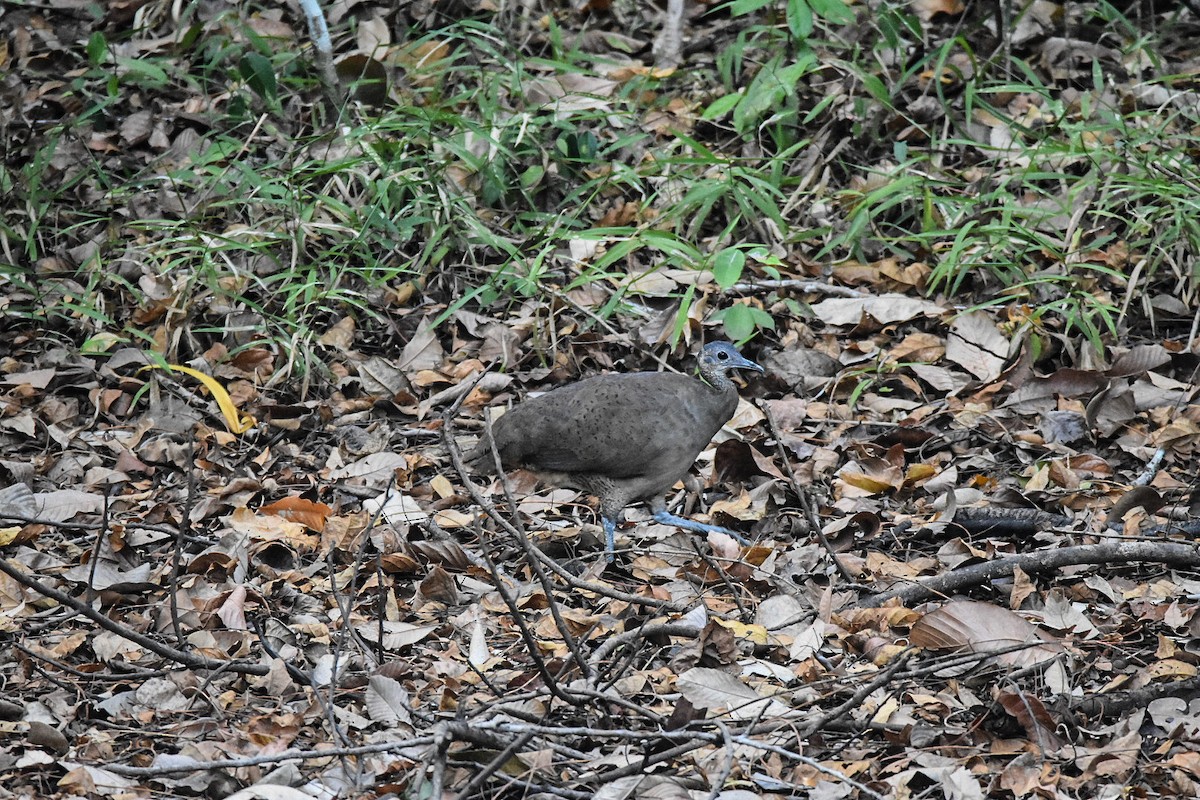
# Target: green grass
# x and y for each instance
(478, 186)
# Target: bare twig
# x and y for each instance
(528, 788)
(863, 789)
(604, 590)
(79, 675)
(668, 44)
(612, 643)
(495, 764)
(92, 526)
(693, 738)
(530, 640)
(521, 536)
(443, 738)
(318, 31)
(189, 660)
(718, 784)
(185, 529)
(880, 680)
(810, 287)
(1147, 474)
(494, 514)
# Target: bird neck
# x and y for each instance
(718, 379)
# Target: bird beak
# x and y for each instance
(746, 363)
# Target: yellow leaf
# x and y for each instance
(234, 421)
(755, 633)
(1170, 668)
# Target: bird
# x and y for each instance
(623, 437)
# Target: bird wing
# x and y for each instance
(619, 427)
(613, 426)
(596, 457)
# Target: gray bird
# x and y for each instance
(621, 437)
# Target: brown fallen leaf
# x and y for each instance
(978, 627)
(1034, 718)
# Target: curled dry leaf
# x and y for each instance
(977, 345)
(926, 10)
(61, 505)
(271, 528)
(310, 514)
(440, 586)
(397, 508)
(871, 476)
(1031, 712)
(445, 552)
(478, 652)
(1137, 497)
(395, 634)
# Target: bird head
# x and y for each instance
(718, 358)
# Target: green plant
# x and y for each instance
(742, 321)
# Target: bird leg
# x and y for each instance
(667, 518)
(658, 507)
(610, 536)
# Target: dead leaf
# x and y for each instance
(984, 628)
(719, 691)
(976, 344)
(883, 309)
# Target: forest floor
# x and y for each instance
(962, 241)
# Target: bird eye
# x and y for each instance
(722, 355)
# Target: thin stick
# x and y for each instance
(806, 504)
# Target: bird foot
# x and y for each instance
(665, 518)
(610, 537)
(699, 527)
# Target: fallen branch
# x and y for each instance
(1117, 704)
(1174, 554)
(179, 767)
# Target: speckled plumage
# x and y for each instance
(622, 437)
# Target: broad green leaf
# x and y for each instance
(532, 176)
(770, 90)
(727, 267)
(259, 75)
(148, 71)
(101, 343)
(818, 109)
(97, 48)
(761, 318)
(836, 11)
(800, 18)
(740, 8)
(739, 322)
(761, 96)
(875, 86)
(681, 318)
(763, 256)
(721, 106)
